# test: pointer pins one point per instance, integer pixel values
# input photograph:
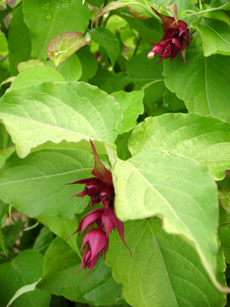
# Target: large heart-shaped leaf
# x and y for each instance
(23, 270)
(58, 111)
(35, 75)
(38, 184)
(175, 188)
(164, 269)
(64, 45)
(61, 265)
(19, 41)
(203, 138)
(203, 83)
(145, 74)
(62, 228)
(55, 17)
(215, 36)
(132, 106)
(108, 41)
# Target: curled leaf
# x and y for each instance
(134, 8)
(64, 45)
(28, 64)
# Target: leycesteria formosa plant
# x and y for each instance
(115, 72)
(101, 192)
(175, 40)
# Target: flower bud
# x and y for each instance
(150, 55)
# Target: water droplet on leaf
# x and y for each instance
(44, 4)
(48, 17)
(63, 3)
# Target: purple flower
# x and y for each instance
(175, 40)
(101, 191)
(100, 187)
(97, 242)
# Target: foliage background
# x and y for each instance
(163, 129)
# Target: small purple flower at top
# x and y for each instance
(175, 40)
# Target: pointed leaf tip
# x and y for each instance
(99, 170)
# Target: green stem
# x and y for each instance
(137, 46)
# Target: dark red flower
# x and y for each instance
(99, 187)
(175, 40)
(97, 242)
(101, 191)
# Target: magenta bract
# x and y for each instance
(175, 40)
(99, 187)
(101, 191)
(97, 242)
(99, 170)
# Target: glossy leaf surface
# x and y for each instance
(55, 17)
(203, 83)
(159, 183)
(164, 269)
(64, 45)
(39, 182)
(57, 111)
(205, 139)
(99, 287)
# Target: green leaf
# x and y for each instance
(56, 111)
(3, 45)
(164, 269)
(29, 64)
(146, 74)
(71, 69)
(88, 62)
(19, 42)
(172, 102)
(224, 235)
(114, 83)
(62, 228)
(36, 75)
(150, 29)
(108, 41)
(20, 292)
(203, 83)
(135, 6)
(43, 240)
(218, 15)
(215, 36)
(185, 5)
(38, 184)
(224, 195)
(132, 106)
(221, 4)
(122, 145)
(25, 269)
(55, 17)
(60, 277)
(3, 213)
(158, 183)
(5, 11)
(206, 139)
(64, 45)
(5, 154)
(4, 74)
(11, 233)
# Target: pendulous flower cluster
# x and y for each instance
(175, 40)
(101, 191)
